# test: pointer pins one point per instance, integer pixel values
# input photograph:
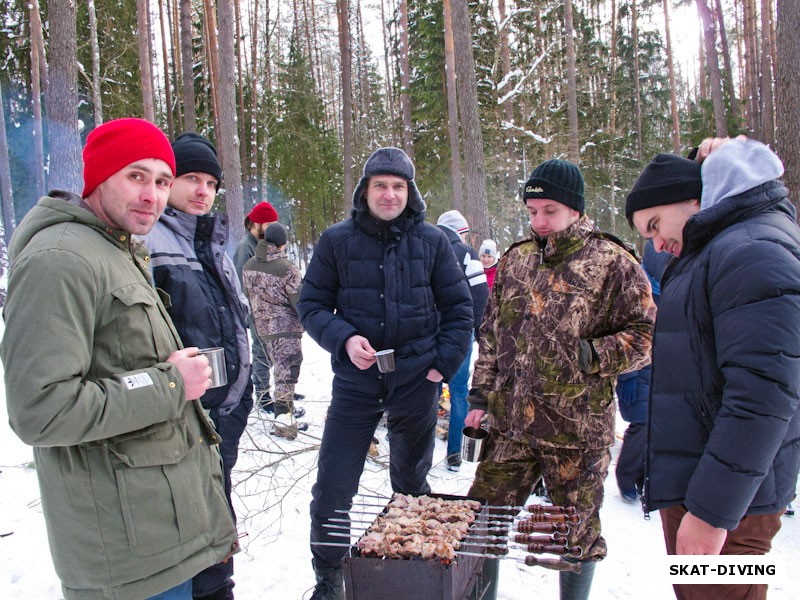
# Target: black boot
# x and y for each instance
(576, 586)
(329, 584)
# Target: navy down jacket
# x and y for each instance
(397, 285)
(724, 433)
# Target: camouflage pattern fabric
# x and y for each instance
(287, 356)
(573, 478)
(548, 295)
(272, 285)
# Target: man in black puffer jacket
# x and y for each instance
(723, 427)
(383, 279)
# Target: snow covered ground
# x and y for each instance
(273, 487)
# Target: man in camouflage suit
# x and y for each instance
(569, 311)
(272, 284)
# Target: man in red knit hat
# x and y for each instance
(99, 384)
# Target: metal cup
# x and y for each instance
(216, 360)
(472, 448)
(385, 360)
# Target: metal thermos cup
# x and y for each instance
(472, 447)
(385, 360)
(216, 360)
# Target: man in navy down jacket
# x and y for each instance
(382, 279)
(723, 446)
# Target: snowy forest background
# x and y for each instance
(297, 93)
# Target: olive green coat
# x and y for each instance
(129, 472)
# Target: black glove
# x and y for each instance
(588, 361)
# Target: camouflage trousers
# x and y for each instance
(573, 478)
(286, 354)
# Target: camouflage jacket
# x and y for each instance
(272, 284)
(549, 294)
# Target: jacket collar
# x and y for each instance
(268, 252)
(704, 225)
(558, 245)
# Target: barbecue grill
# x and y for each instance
(371, 578)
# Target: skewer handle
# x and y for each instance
(555, 549)
(556, 564)
(530, 527)
(556, 538)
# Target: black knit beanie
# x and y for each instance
(668, 179)
(557, 180)
(276, 235)
(196, 154)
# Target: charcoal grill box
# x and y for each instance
(371, 578)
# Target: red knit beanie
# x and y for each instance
(116, 144)
(263, 213)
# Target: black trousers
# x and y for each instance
(352, 418)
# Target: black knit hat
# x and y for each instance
(668, 179)
(276, 235)
(557, 180)
(196, 154)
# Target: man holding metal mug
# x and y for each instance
(382, 279)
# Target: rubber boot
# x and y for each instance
(491, 572)
(576, 586)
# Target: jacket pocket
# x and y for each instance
(160, 488)
(136, 311)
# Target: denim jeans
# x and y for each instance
(459, 388)
(179, 592)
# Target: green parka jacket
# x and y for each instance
(129, 472)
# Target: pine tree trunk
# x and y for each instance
(343, 15)
(187, 62)
(726, 57)
(613, 118)
(173, 20)
(145, 60)
(167, 82)
(572, 86)
(636, 78)
(61, 98)
(508, 106)
(212, 60)
(390, 103)
(405, 82)
(753, 96)
(712, 66)
(673, 99)
(452, 110)
(228, 138)
(767, 98)
(38, 67)
(787, 99)
(472, 137)
(97, 97)
(9, 222)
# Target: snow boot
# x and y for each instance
(329, 584)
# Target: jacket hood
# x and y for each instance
(58, 207)
(753, 163)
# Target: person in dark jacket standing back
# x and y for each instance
(456, 228)
(382, 279)
(723, 448)
(189, 262)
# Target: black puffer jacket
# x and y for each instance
(724, 432)
(388, 282)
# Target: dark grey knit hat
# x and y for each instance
(557, 180)
(389, 161)
(196, 154)
(276, 235)
(667, 179)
